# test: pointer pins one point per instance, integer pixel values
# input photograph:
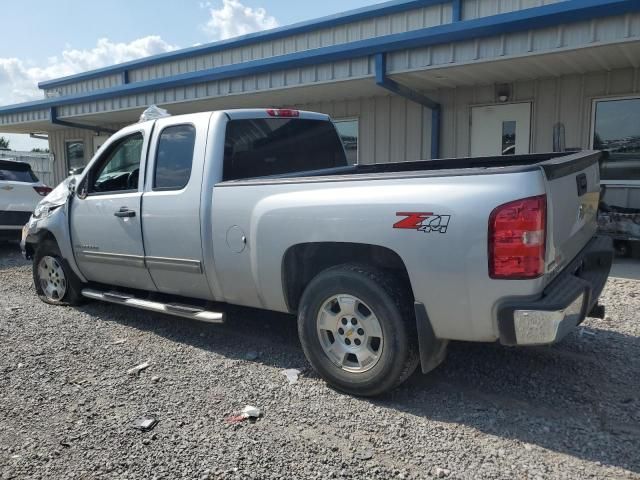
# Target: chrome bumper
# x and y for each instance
(564, 303)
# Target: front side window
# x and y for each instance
(74, 151)
(119, 168)
(276, 146)
(174, 157)
(617, 132)
(348, 131)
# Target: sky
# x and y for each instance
(42, 39)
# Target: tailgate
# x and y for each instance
(573, 194)
(18, 196)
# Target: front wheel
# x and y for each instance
(54, 281)
(357, 329)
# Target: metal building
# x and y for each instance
(404, 80)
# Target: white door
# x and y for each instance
(501, 129)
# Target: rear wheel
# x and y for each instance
(357, 329)
(54, 281)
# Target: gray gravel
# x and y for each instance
(67, 402)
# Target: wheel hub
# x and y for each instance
(350, 333)
(51, 278)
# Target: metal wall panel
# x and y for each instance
(605, 30)
(483, 8)
(337, 71)
(24, 117)
(84, 86)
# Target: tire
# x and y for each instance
(67, 286)
(364, 369)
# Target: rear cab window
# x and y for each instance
(17, 172)
(277, 146)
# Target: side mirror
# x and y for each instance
(76, 171)
(81, 189)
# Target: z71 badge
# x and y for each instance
(423, 222)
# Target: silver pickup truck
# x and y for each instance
(383, 264)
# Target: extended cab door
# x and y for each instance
(106, 230)
(171, 206)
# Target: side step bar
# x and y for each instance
(179, 310)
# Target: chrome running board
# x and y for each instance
(179, 310)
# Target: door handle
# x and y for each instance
(124, 212)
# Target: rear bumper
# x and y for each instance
(10, 233)
(564, 303)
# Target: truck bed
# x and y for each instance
(555, 165)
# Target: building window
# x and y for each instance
(617, 132)
(174, 157)
(74, 151)
(348, 131)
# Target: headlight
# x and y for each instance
(44, 210)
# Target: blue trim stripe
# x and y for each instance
(533, 18)
(387, 8)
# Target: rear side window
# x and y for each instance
(174, 157)
(17, 173)
(277, 146)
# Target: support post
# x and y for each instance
(456, 13)
(385, 82)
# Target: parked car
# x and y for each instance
(20, 192)
(383, 264)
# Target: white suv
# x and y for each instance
(20, 192)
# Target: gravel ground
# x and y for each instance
(67, 402)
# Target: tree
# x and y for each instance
(4, 143)
(40, 150)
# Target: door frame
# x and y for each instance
(532, 119)
(89, 253)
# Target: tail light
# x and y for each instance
(517, 239)
(43, 191)
(283, 113)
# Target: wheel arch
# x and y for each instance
(34, 239)
(303, 261)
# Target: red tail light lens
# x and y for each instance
(43, 191)
(283, 112)
(517, 239)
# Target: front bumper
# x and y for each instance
(564, 303)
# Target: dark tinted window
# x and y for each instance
(617, 131)
(17, 172)
(275, 146)
(174, 157)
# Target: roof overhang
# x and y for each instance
(507, 69)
